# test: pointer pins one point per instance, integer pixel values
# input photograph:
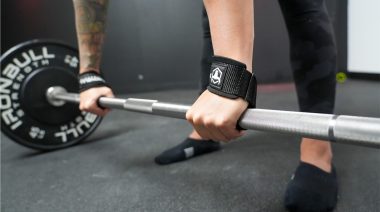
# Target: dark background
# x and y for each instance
(154, 45)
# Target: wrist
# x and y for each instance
(243, 57)
(90, 79)
(229, 78)
(83, 70)
(240, 51)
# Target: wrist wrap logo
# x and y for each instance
(216, 77)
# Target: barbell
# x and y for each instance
(363, 131)
(38, 85)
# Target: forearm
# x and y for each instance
(90, 19)
(232, 29)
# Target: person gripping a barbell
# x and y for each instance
(231, 87)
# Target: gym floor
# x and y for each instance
(114, 170)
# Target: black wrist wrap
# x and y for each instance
(90, 79)
(230, 78)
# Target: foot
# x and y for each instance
(187, 149)
(311, 189)
(313, 186)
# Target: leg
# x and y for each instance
(313, 59)
(194, 145)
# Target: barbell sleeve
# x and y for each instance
(356, 130)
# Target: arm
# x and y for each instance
(231, 23)
(232, 29)
(90, 20)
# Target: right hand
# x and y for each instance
(89, 100)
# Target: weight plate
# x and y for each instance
(27, 71)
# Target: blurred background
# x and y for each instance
(154, 45)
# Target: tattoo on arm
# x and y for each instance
(90, 18)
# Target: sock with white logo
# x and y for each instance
(311, 189)
(186, 150)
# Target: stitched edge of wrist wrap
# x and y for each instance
(229, 78)
(90, 79)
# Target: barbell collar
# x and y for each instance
(356, 130)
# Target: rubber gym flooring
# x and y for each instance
(114, 170)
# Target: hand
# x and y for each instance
(89, 99)
(215, 117)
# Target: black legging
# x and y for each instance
(312, 53)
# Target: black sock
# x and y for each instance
(311, 189)
(187, 149)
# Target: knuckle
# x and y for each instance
(205, 136)
(87, 106)
(189, 115)
(208, 122)
(197, 119)
(226, 137)
(226, 122)
(221, 122)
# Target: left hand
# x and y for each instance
(215, 117)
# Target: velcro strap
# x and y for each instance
(252, 92)
(90, 79)
(230, 78)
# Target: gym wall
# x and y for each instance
(150, 45)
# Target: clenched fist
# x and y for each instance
(215, 117)
(89, 99)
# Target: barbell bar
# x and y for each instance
(356, 130)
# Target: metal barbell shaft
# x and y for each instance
(357, 130)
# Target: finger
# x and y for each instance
(221, 127)
(97, 102)
(216, 134)
(213, 130)
(110, 94)
(205, 123)
(225, 135)
(202, 132)
(97, 109)
(231, 132)
(196, 124)
(92, 107)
